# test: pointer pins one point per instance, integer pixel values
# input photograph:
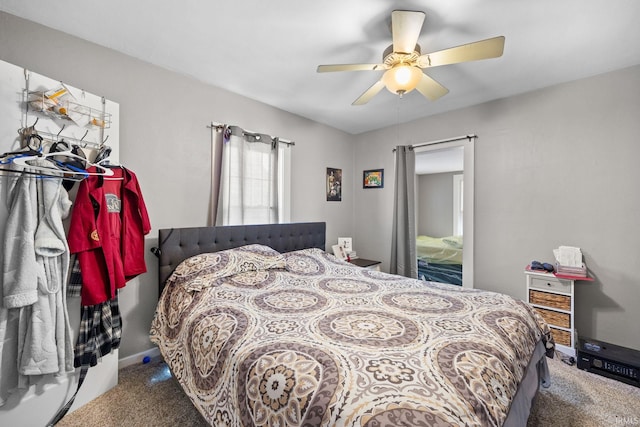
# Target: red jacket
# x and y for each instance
(109, 254)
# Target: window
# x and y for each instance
(255, 183)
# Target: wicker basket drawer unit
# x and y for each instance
(552, 297)
(561, 337)
(555, 318)
(554, 284)
(561, 302)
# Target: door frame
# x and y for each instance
(468, 200)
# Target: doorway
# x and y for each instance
(444, 161)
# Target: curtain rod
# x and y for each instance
(441, 141)
(219, 126)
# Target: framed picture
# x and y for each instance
(334, 185)
(339, 251)
(373, 178)
(346, 243)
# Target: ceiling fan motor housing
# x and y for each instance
(391, 58)
(403, 65)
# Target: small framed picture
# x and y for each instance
(334, 185)
(373, 178)
(346, 243)
(339, 251)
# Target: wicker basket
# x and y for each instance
(561, 337)
(562, 302)
(555, 318)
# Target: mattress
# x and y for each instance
(256, 337)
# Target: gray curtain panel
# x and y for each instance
(403, 241)
(216, 175)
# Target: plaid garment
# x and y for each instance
(75, 278)
(100, 332)
(100, 324)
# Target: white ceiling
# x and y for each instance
(269, 50)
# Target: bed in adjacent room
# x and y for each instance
(260, 326)
(440, 259)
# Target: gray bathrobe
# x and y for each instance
(35, 335)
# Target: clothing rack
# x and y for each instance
(218, 127)
(99, 118)
(81, 142)
(71, 173)
(57, 137)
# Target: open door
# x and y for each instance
(38, 403)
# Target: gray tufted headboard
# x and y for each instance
(178, 244)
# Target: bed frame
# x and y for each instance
(178, 244)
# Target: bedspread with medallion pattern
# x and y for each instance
(260, 338)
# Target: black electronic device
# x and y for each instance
(609, 360)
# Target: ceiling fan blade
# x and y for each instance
(430, 88)
(369, 93)
(405, 29)
(351, 67)
(484, 49)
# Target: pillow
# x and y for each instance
(313, 252)
(201, 271)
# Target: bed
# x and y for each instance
(268, 329)
(440, 259)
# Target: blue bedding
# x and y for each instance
(441, 273)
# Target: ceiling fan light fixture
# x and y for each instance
(404, 60)
(402, 79)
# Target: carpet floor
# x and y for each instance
(147, 395)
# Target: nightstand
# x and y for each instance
(366, 263)
(553, 298)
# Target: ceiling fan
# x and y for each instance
(403, 61)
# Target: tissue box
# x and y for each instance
(572, 271)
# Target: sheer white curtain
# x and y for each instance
(249, 184)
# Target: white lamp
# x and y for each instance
(402, 78)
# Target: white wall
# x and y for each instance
(164, 139)
(557, 166)
(554, 166)
(435, 204)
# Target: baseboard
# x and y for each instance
(138, 357)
